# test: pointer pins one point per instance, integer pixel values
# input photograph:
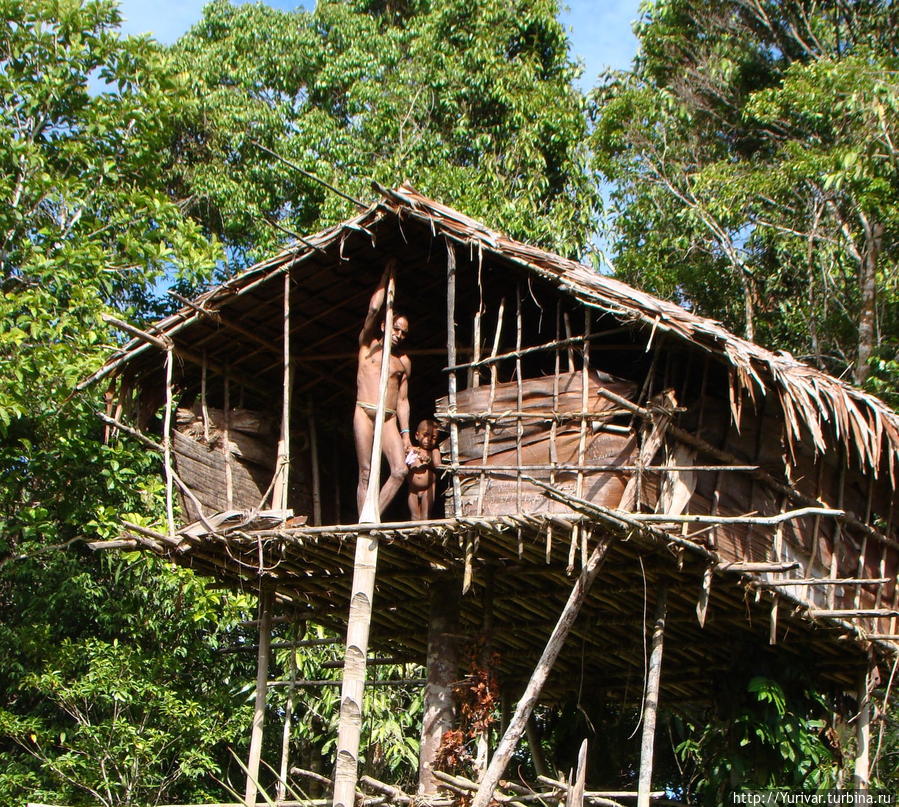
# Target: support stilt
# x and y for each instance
(650, 710)
(266, 597)
(861, 776)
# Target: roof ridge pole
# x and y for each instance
(528, 700)
(346, 771)
(650, 710)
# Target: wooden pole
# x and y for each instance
(438, 707)
(282, 467)
(226, 443)
(266, 597)
(582, 438)
(288, 718)
(861, 776)
(482, 484)
(525, 706)
(650, 710)
(575, 797)
(346, 768)
(519, 427)
(451, 360)
(167, 445)
(316, 470)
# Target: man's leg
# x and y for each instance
(363, 432)
(392, 446)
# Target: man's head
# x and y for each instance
(400, 329)
(426, 434)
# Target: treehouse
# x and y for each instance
(605, 456)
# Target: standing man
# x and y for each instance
(395, 442)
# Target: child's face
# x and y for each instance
(425, 437)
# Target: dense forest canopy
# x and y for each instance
(750, 162)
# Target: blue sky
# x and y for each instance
(600, 30)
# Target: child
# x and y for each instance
(422, 459)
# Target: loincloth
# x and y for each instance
(370, 407)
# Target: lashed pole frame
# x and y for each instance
(346, 770)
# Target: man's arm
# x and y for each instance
(369, 330)
(402, 403)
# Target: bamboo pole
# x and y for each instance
(569, 340)
(451, 360)
(482, 486)
(650, 710)
(266, 597)
(474, 371)
(282, 466)
(316, 470)
(167, 445)
(288, 720)
(519, 426)
(528, 700)
(575, 797)
(364, 569)
(837, 532)
(204, 404)
(861, 775)
(553, 429)
(582, 437)
(862, 555)
(226, 443)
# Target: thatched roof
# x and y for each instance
(815, 404)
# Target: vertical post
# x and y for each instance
(861, 776)
(167, 444)
(282, 469)
(316, 470)
(346, 769)
(585, 402)
(451, 381)
(650, 710)
(837, 532)
(226, 443)
(519, 400)
(438, 707)
(288, 715)
(554, 427)
(525, 707)
(863, 554)
(488, 426)
(266, 596)
(570, 349)
(204, 403)
(474, 373)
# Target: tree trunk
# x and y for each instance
(439, 706)
(867, 282)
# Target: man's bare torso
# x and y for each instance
(368, 375)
